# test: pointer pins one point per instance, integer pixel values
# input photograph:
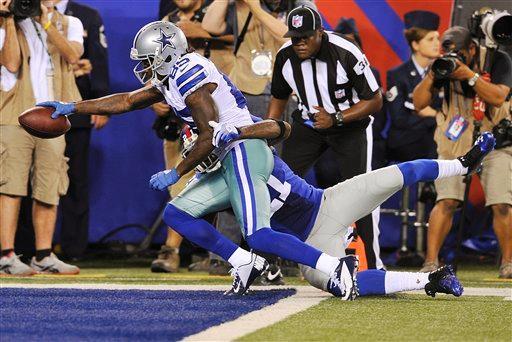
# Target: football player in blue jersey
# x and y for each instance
(323, 218)
(199, 93)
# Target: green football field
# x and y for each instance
(399, 317)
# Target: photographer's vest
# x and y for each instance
(21, 97)
(257, 38)
(461, 105)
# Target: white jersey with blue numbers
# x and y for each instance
(193, 71)
(294, 203)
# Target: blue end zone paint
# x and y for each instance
(72, 314)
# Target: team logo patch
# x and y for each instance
(339, 93)
(297, 21)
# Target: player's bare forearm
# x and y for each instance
(120, 103)
(363, 109)
(203, 109)
(266, 129)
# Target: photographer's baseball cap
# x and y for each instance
(421, 19)
(456, 38)
(303, 21)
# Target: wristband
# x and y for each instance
(282, 128)
(47, 25)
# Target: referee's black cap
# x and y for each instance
(303, 21)
(421, 19)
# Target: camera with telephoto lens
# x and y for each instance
(23, 8)
(495, 26)
(503, 133)
(443, 66)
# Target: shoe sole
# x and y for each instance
(59, 273)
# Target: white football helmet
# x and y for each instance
(157, 46)
(210, 163)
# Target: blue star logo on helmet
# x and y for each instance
(165, 40)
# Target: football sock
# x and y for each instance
(327, 264)
(448, 168)
(424, 170)
(405, 281)
(7, 252)
(284, 245)
(42, 253)
(199, 232)
(371, 282)
(240, 257)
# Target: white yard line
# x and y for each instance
(306, 297)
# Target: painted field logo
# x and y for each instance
(297, 21)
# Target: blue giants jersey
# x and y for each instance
(294, 203)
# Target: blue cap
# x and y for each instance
(346, 26)
(421, 19)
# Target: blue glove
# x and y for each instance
(223, 133)
(163, 179)
(61, 108)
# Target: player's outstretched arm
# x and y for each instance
(203, 109)
(108, 105)
(273, 130)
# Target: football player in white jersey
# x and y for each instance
(199, 93)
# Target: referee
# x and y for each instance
(337, 92)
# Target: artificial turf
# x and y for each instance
(400, 317)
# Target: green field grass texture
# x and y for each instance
(400, 317)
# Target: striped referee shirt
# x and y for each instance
(337, 77)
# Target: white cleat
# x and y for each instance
(243, 276)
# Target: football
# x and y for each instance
(38, 122)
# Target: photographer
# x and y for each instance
(467, 93)
(38, 52)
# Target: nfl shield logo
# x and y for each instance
(339, 93)
(297, 21)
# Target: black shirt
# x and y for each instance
(338, 77)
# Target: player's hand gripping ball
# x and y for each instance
(163, 179)
(223, 133)
(61, 108)
(37, 121)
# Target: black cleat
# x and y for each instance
(473, 159)
(443, 280)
